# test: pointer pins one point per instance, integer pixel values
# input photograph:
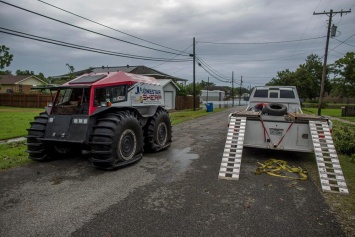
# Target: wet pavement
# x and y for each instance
(175, 192)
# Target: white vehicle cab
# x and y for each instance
(274, 120)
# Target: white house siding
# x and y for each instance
(214, 95)
(169, 90)
(168, 99)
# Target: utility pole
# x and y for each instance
(208, 83)
(324, 73)
(233, 89)
(240, 88)
(194, 76)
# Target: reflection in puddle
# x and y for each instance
(181, 158)
(177, 163)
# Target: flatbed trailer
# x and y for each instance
(289, 131)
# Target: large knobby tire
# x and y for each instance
(36, 148)
(117, 140)
(157, 132)
(275, 109)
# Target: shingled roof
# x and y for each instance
(10, 79)
(142, 70)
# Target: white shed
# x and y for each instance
(170, 89)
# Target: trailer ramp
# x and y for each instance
(232, 155)
(330, 172)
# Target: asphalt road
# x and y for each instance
(175, 192)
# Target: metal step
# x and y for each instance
(232, 155)
(330, 173)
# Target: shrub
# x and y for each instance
(343, 136)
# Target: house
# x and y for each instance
(142, 70)
(213, 95)
(170, 88)
(19, 84)
(167, 81)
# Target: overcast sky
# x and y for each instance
(231, 35)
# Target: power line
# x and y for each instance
(210, 68)
(271, 42)
(213, 73)
(108, 26)
(91, 31)
(296, 48)
(343, 42)
(171, 58)
(90, 49)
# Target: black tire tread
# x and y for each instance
(150, 143)
(103, 140)
(35, 147)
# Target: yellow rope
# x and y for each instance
(275, 167)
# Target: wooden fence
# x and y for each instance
(348, 111)
(25, 100)
(186, 102)
(40, 101)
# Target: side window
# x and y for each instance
(118, 93)
(274, 95)
(112, 94)
(100, 96)
(261, 93)
(287, 94)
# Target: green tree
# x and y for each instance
(71, 71)
(204, 84)
(6, 72)
(283, 78)
(41, 76)
(344, 75)
(5, 57)
(182, 90)
(25, 72)
(307, 78)
(188, 90)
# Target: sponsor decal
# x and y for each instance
(146, 94)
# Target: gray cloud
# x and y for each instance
(174, 24)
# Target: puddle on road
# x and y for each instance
(181, 158)
(172, 163)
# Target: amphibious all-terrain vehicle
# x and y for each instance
(114, 116)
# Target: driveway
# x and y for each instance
(175, 192)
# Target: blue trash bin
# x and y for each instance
(209, 107)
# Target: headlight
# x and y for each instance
(80, 121)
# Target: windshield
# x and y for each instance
(72, 101)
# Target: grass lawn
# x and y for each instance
(328, 112)
(12, 155)
(15, 121)
(185, 115)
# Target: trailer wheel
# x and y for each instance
(157, 132)
(117, 141)
(36, 148)
(275, 109)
